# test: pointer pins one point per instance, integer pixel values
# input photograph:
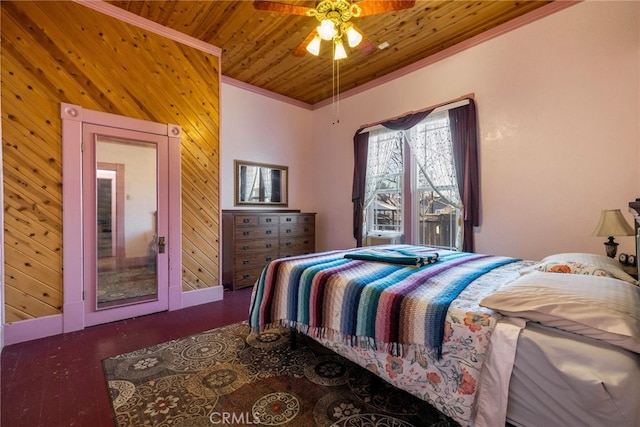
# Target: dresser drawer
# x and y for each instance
(297, 244)
(268, 220)
(287, 230)
(252, 233)
(297, 219)
(247, 278)
(296, 250)
(288, 219)
(241, 220)
(307, 219)
(260, 245)
(252, 261)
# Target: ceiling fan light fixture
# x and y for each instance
(327, 29)
(314, 46)
(339, 51)
(353, 36)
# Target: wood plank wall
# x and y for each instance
(55, 52)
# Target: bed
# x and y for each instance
(484, 339)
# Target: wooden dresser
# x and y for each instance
(252, 238)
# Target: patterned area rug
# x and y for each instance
(230, 377)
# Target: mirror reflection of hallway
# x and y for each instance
(126, 229)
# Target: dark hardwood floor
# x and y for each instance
(58, 381)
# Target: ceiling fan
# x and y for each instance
(334, 17)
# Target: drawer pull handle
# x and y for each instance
(268, 231)
(288, 243)
(306, 229)
(288, 231)
(245, 262)
(306, 219)
(306, 242)
(245, 233)
(246, 248)
(268, 245)
(289, 219)
(268, 258)
(246, 276)
(268, 220)
(246, 220)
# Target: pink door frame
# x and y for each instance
(73, 119)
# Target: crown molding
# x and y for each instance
(138, 21)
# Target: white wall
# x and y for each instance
(260, 129)
(559, 116)
(559, 108)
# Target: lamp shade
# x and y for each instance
(353, 36)
(339, 52)
(314, 46)
(612, 223)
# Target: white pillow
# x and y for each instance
(582, 263)
(598, 307)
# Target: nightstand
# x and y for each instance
(631, 270)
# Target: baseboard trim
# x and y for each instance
(42, 327)
(32, 329)
(202, 296)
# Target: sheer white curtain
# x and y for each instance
(251, 182)
(381, 145)
(430, 144)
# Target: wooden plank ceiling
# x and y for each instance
(257, 46)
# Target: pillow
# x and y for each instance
(598, 307)
(581, 263)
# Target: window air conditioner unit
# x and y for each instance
(384, 238)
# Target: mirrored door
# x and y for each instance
(125, 224)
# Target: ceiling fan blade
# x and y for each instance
(374, 7)
(301, 50)
(273, 6)
(366, 46)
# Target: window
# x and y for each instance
(411, 176)
(385, 173)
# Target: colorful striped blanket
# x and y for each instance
(376, 305)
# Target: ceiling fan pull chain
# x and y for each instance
(338, 93)
(335, 87)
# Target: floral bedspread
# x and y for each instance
(399, 347)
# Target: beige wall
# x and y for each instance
(260, 129)
(559, 107)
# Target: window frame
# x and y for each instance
(409, 225)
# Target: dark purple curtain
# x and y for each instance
(464, 136)
(276, 197)
(406, 122)
(261, 186)
(360, 154)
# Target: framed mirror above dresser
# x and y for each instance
(260, 184)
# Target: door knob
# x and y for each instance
(161, 245)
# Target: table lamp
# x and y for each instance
(612, 223)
